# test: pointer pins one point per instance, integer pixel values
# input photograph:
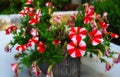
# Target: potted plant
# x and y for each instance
(60, 44)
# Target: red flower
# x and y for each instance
(29, 2)
(95, 37)
(41, 47)
(97, 16)
(73, 17)
(113, 35)
(49, 4)
(108, 66)
(76, 49)
(77, 33)
(10, 29)
(33, 41)
(22, 47)
(35, 69)
(27, 11)
(103, 25)
(22, 13)
(107, 52)
(105, 14)
(34, 32)
(33, 21)
(36, 18)
(87, 19)
(89, 14)
(56, 41)
(7, 48)
(70, 23)
(93, 24)
(15, 67)
(57, 18)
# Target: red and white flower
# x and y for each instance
(41, 47)
(73, 17)
(95, 37)
(34, 32)
(87, 20)
(103, 25)
(36, 18)
(10, 29)
(76, 49)
(89, 14)
(33, 21)
(7, 48)
(49, 4)
(35, 69)
(33, 41)
(108, 66)
(57, 18)
(93, 24)
(22, 47)
(22, 13)
(56, 41)
(29, 2)
(113, 35)
(97, 16)
(14, 67)
(90, 11)
(77, 33)
(27, 10)
(105, 14)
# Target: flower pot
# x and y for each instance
(70, 67)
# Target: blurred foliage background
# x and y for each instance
(14, 6)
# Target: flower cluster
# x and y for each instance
(38, 41)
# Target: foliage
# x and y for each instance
(112, 7)
(14, 6)
(39, 41)
(10, 6)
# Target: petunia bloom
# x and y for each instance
(22, 47)
(76, 49)
(41, 47)
(49, 4)
(56, 41)
(108, 66)
(36, 18)
(116, 60)
(77, 33)
(95, 37)
(113, 35)
(15, 67)
(89, 14)
(7, 49)
(87, 20)
(57, 18)
(103, 25)
(33, 41)
(34, 32)
(26, 11)
(10, 29)
(35, 69)
(29, 2)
